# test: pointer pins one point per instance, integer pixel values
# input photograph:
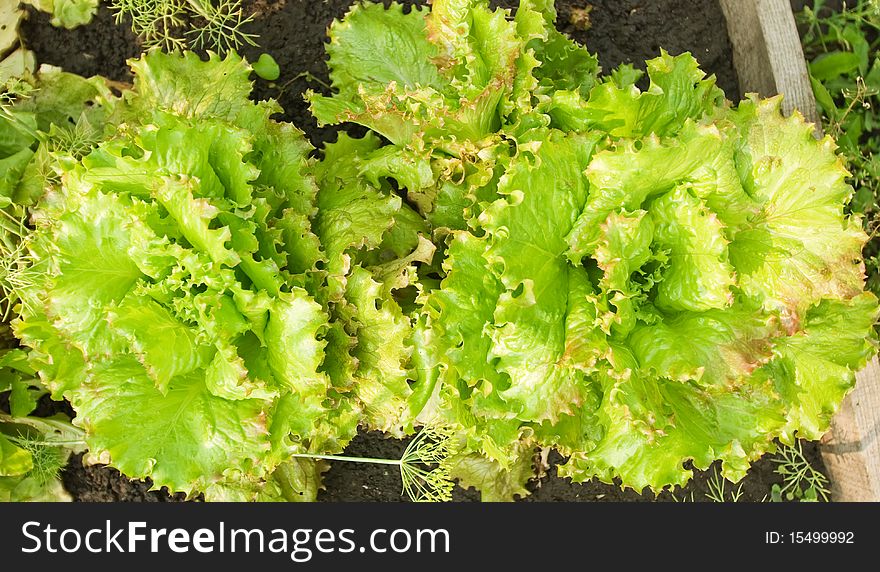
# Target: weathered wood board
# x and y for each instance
(767, 53)
(769, 60)
(851, 449)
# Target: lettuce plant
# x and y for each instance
(637, 278)
(32, 449)
(66, 13)
(519, 253)
(176, 291)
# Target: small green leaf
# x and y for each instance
(823, 97)
(776, 493)
(22, 400)
(14, 460)
(833, 65)
(267, 68)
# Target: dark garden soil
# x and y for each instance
(293, 32)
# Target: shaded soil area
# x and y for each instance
(101, 48)
(294, 32)
(99, 483)
(364, 482)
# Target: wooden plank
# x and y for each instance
(768, 55)
(851, 449)
(769, 60)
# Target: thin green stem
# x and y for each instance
(397, 462)
(70, 443)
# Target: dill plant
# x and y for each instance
(800, 479)
(14, 259)
(424, 466)
(186, 24)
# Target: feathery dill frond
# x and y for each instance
(183, 24)
(424, 465)
(15, 260)
(74, 140)
(47, 460)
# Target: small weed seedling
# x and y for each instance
(800, 480)
(718, 491)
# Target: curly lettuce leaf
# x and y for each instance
(160, 302)
(625, 177)
(295, 354)
(185, 439)
(815, 368)
(352, 215)
(799, 248)
(562, 64)
(679, 90)
(699, 276)
(526, 248)
(176, 83)
(89, 271)
(651, 426)
(456, 313)
(467, 68)
(382, 352)
(377, 56)
(496, 484)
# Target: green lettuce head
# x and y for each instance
(174, 296)
(640, 279)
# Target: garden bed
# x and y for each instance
(293, 32)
